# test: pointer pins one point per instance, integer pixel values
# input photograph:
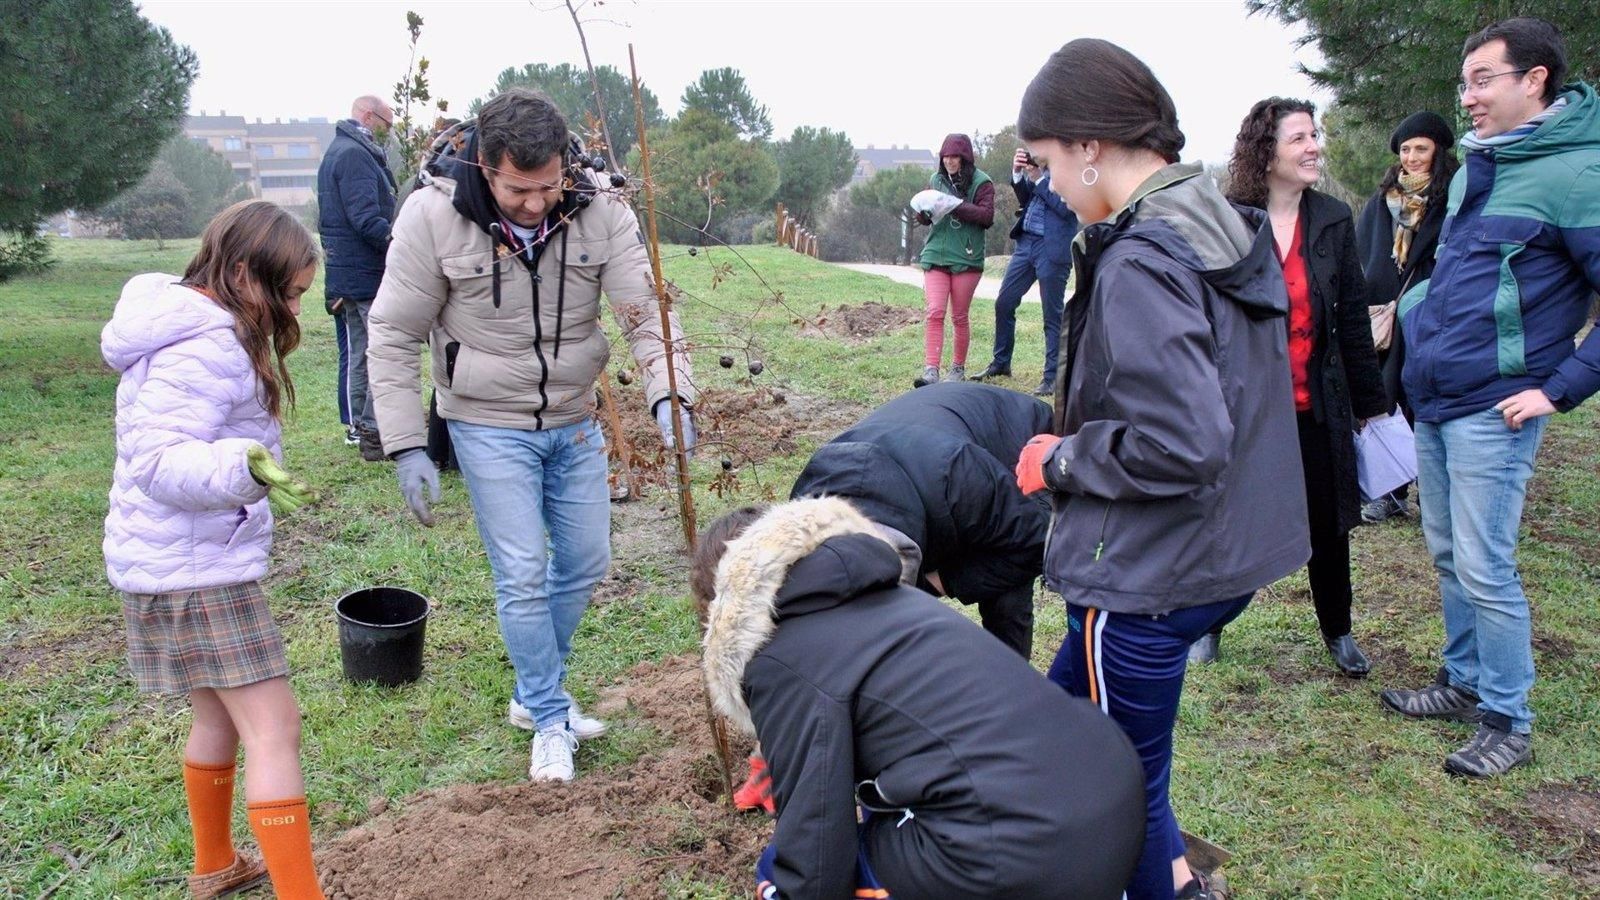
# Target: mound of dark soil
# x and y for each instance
(607, 834)
(746, 425)
(860, 322)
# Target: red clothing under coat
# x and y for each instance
(1302, 331)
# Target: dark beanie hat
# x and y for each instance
(1426, 124)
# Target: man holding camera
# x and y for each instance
(1043, 232)
(498, 262)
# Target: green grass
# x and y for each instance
(1298, 772)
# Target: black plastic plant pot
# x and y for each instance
(380, 634)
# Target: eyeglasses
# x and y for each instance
(1480, 82)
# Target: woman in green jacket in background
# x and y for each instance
(952, 259)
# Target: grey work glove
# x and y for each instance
(663, 411)
(417, 471)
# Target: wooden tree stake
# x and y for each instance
(685, 498)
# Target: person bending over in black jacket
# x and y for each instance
(973, 775)
(936, 465)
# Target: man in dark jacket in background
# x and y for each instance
(355, 203)
(1043, 234)
(935, 465)
(974, 775)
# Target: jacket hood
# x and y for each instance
(957, 145)
(873, 481)
(1181, 210)
(1575, 128)
(471, 197)
(154, 312)
(754, 587)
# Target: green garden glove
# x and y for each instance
(285, 493)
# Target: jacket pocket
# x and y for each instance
(451, 351)
(1509, 238)
(471, 277)
(480, 375)
(251, 522)
(577, 299)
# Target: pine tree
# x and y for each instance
(89, 92)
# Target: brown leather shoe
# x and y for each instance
(245, 873)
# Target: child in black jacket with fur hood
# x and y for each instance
(899, 735)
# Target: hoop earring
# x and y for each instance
(1090, 176)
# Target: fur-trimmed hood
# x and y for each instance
(744, 612)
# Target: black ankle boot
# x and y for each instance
(1347, 656)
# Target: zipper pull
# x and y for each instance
(1099, 548)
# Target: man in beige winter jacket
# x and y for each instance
(498, 262)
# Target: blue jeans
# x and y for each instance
(1020, 275)
(1132, 667)
(544, 513)
(1472, 478)
(344, 368)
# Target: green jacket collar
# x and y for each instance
(1576, 128)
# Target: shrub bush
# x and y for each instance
(23, 254)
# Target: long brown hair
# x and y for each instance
(1257, 145)
(273, 247)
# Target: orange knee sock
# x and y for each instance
(210, 791)
(283, 830)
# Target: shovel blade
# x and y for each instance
(1204, 855)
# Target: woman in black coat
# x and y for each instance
(1337, 384)
(1396, 235)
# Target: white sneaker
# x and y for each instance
(585, 727)
(551, 758)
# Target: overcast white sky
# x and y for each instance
(883, 72)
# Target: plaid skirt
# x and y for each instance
(220, 637)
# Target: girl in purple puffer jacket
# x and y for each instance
(187, 538)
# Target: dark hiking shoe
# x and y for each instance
(1205, 650)
(1046, 388)
(1388, 506)
(993, 371)
(1375, 511)
(371, 445)
(1204, 886)
(1440, 700)
(1347, 656)
(1494, 750)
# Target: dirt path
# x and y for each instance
(988, 288)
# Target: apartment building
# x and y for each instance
(277, 159)
(871, 160)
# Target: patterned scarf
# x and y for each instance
(1408, 203)
(1473, 142)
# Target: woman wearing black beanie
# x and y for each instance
(1397, 235)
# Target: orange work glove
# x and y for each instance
(1030, 465)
